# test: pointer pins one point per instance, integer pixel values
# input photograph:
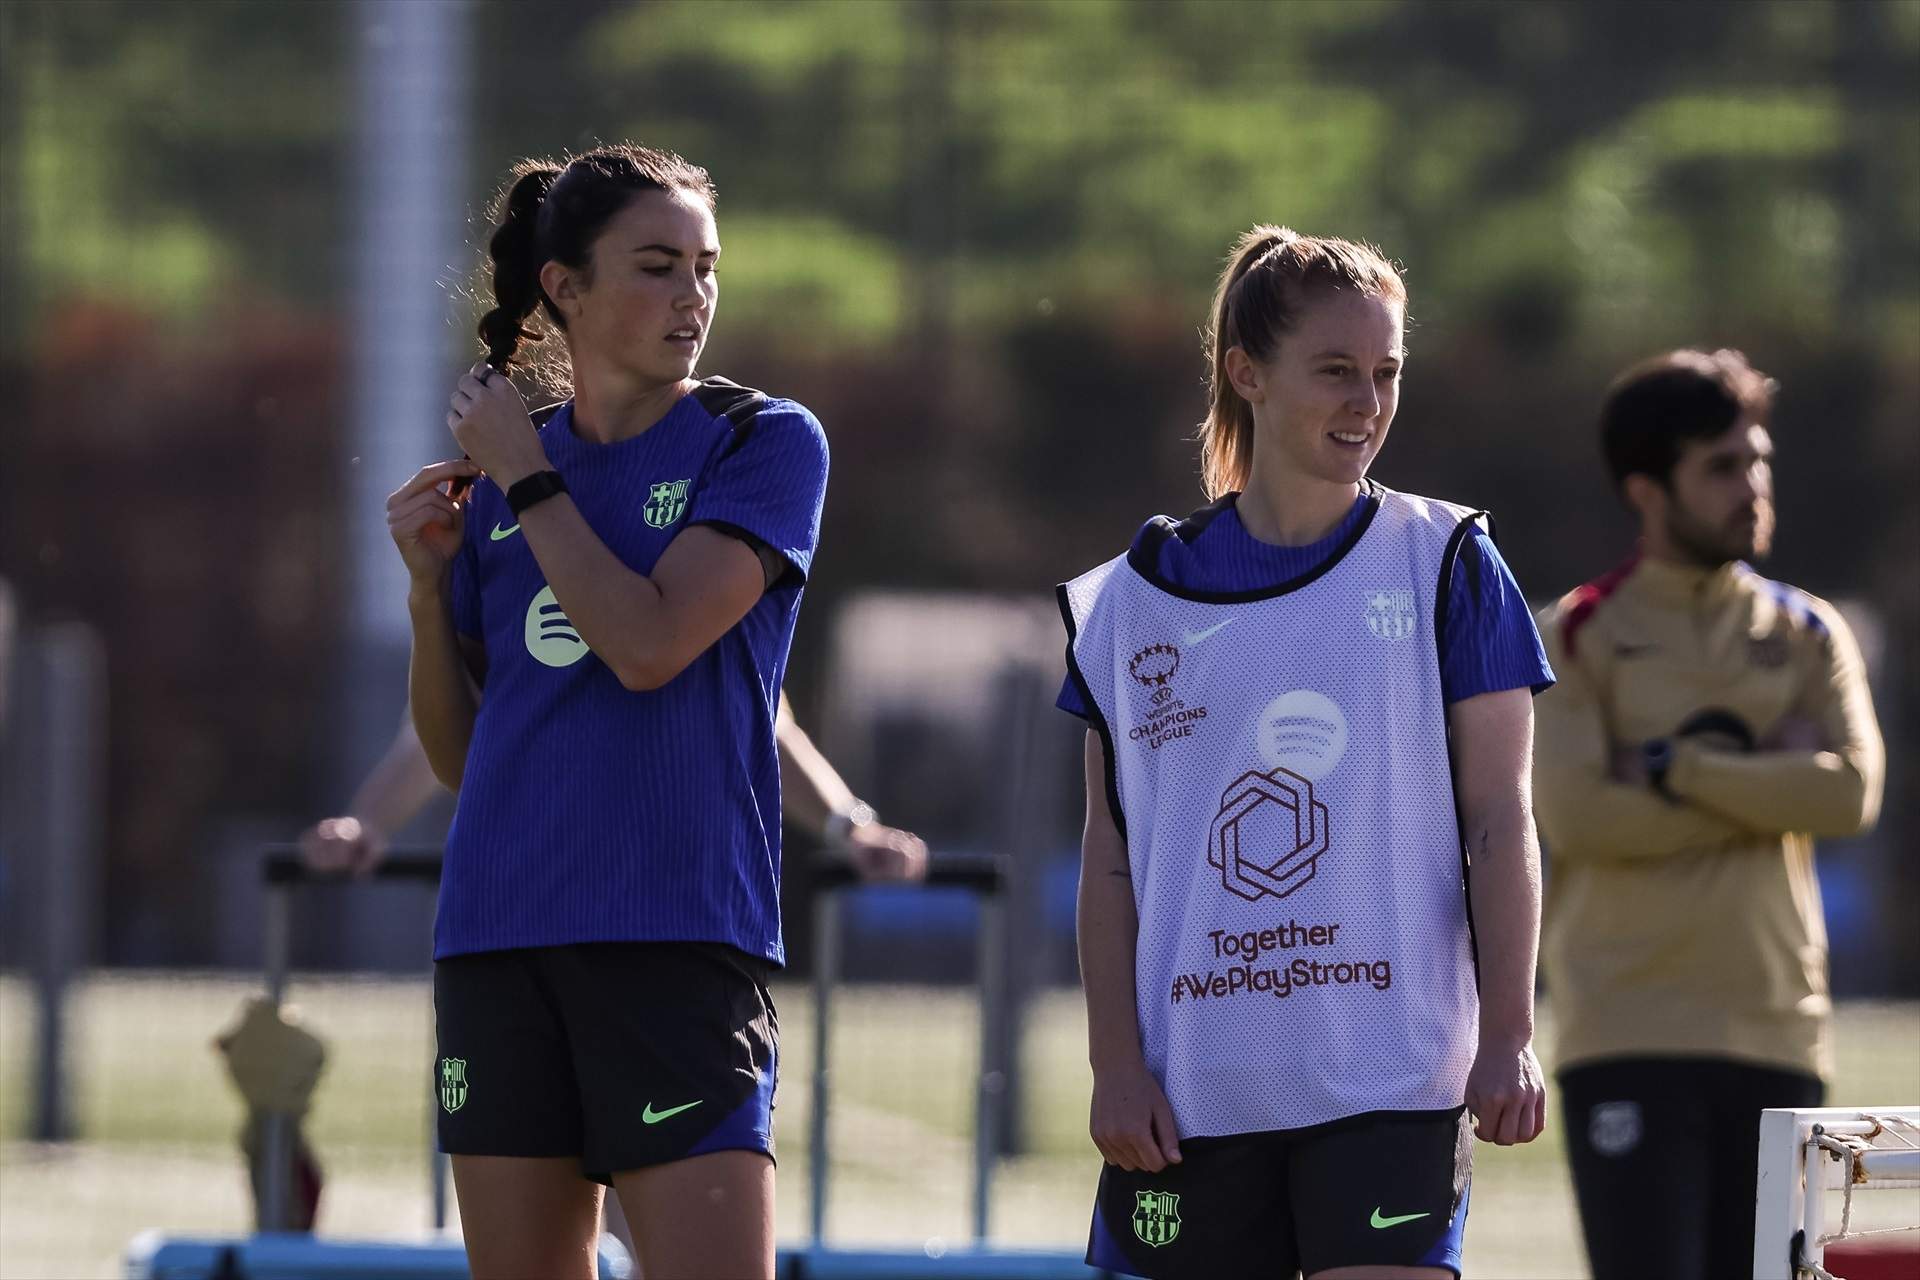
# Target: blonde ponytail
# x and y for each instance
(1256, 301)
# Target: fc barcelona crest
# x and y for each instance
(1391, 614)
(1156, 1217)
(453, 1083)
(666, 503)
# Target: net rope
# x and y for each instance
(1901, 1133)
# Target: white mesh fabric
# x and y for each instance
(1288, 804)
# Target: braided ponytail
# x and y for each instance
(554, 213)
(514, 252)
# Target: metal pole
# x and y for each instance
(826, 972)
(989, 1103)
(63, 714)
(276, 1134)
(278, 938)
(410, 182)
(440, 1163)
(411, 192)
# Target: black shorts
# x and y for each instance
(1665, 1154)
(1386, 1188)
(623, 1054)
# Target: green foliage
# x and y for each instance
(1097, 150)
(1693, 164)
(157, 152)
(1003, 215)
(811, 276)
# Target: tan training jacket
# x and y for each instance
(1689, 923)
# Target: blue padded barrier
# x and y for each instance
(277, 1256)
(274, 1255)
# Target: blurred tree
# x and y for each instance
(979, 238)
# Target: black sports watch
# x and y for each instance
(1657, 755)
(537, 487)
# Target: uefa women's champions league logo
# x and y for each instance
(1153, 667)
(1167, 719)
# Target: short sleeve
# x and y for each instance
(466, 583)
(1491, 643)
(1070, 700)
(770, 484)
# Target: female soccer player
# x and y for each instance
(1309, 894)
(622, 584)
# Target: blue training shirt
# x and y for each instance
(591, 813)
(1490, 643)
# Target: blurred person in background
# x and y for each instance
(1709, 723)
(813, 797)
(1295, 993)
(600, 633)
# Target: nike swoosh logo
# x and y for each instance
(1632, 650)
(1379, 1222)
(1195, 637)
(499, 533)
(649, 1116)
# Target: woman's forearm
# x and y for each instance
(1108, 928)
(1493, 752)
(439, 694)
(811, 789)
(1504, 889)
(398, 787)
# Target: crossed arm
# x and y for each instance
(647, 628)
(1820, 770)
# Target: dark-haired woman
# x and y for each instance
(599, 636)
(1310, 715)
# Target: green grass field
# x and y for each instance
(159, 1121)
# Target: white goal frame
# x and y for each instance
(1807, 1156)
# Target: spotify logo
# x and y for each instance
(550, 637)
(1304, 732)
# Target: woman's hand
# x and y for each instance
(882, 853)
(1132, 1123)
(425, 523)
(343, 844)
(1506, 1093)
(488, 416)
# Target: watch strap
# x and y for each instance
(537, 487)
(1657, 754)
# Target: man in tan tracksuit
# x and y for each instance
(1708, 724)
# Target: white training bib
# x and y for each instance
(1278, 764)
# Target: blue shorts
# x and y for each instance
(622, 1054)
(1385, 1188)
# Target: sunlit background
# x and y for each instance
(239, 246)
